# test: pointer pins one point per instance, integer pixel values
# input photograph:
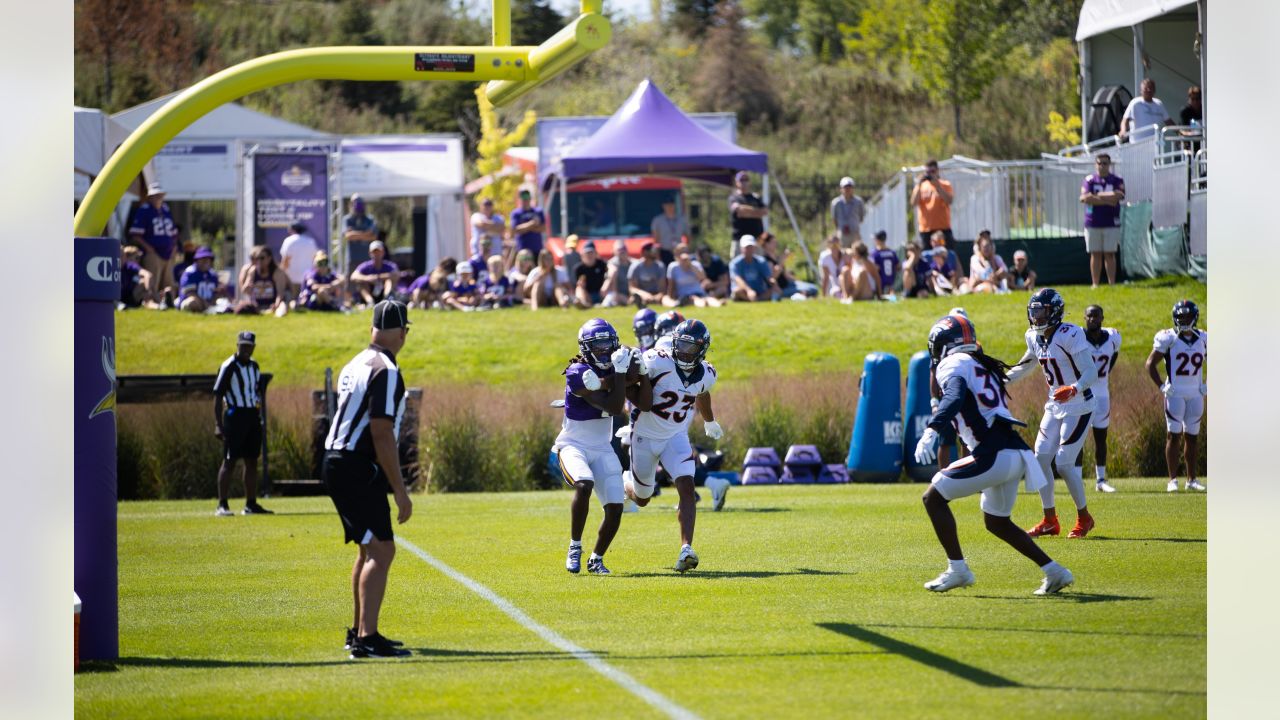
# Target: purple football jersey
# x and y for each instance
(887, 262)
(576, 408)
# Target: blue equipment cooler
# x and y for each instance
(875, 450)
(918, 413)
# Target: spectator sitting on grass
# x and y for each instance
(717, 274)
(886, 262)
(375, 278)
(915, 272)
(426, 291)
(943, 278)
(647, 279)
(939, 241)
(199, 289)
(496, 286)
(987, 271)
(787, 282)
(480, 261)
(296, 254)
(519, 273)
(464, 293)
(264, 288)
(1022, 277)
(752, 278)
(684, 283)
(861, 278)
(548, 284)
(832, 262)
(589, 277)
(322, 288)
(134, 281)
(617, 289)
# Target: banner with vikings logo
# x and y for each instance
(290, 188)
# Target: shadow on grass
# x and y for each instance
(1065, 596)
(951, 666)
(1149, 539)
(205, 663)
(1050, 631)
(732, 574)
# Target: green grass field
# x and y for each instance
(512, 348)
(808, 603)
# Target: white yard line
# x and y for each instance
(593, 661)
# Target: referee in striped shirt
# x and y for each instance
(361, 463)
(237, 396)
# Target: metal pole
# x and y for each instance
(265, 485)
(1086, 88)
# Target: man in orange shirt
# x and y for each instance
(932, 197)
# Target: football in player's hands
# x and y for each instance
(633, 371)
(1064, 393)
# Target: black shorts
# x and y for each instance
(359, 490)
(951, 239)
(241, 433)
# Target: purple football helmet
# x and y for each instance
(597, 339)
(643, 323)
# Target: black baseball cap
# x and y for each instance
(246, 338)
(389, 315)
(882, 235)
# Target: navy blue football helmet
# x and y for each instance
(690, 342)
(667, 322)
(1045, 310)
(1185, 315)
(597, 339)
(643, 323)
(953, 333)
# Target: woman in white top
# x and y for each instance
(548, 284)
(833, 261)
(861, 278)
(987, 271)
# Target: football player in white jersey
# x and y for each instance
(975, 402)
(1060, 350)
(681, 382)
(1106, 351)
(1184, 350)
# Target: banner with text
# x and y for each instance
(290, 188)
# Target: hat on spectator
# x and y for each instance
(389, 315)
(466, 267)
(204, 252)
(298, 227)
(1019, 254)
(648, 246)
(747, 241)
(742, 176)
(155, 188)
(588, 245)
(320, 256)
(486, 201)
(377, 245)
(882, 235)
(524, 254)
(246, 338)
(571, 242)
(846, 181)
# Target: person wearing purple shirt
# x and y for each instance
(595, 392)
(375, 278)
(527, 224)
(464, 293)
(133, 279)
(1101, 193)
(886, 261)
(155, 232)
(199, 287)
(321, 286)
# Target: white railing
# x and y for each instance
(1199, 203)
(887, 210)
(1170, 185)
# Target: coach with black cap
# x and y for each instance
(362, 462)
(237, 396)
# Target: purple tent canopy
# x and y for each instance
(649, 135)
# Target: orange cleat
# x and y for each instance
(1084, 524)
(1048, 526)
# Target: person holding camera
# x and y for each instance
(932, 198)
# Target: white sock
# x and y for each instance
(575, 544)
(685, 546)
(1051, 566)
(1046, 490)
(957, 565)
(595, 557)
(1101, 472)
(1075, 483)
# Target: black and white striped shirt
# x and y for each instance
(239, 384)
(370, 386)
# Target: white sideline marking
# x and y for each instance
(593, 661)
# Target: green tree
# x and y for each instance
(960, 52)
(883, 38)
(732, 73)
(533, 21)
(693, 18)
(354, 26)
(494, 141)
(131, 51)
(777, 19)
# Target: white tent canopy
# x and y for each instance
(1099, 16)
(97, 135)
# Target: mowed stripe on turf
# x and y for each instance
(593, 661)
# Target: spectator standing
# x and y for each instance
(375, 278)
(154, 230)
(548, 284)
(746, 212)
(916, 271)
(237, 396)
(199, 289)
(647, 279)
(322, 288)
(684, 283)
(296, 253)
(669, 230)
(931, 197)
(847, 213)
(464, 292)
(862, 278)
(752, 279)
(134, 281)
(571, 258)
(362, 463)
(886, 262)
(359, 230)
(717, 274)
(528, 223)
(1101, 193)
(588, 277)
(264, 288)
(1022, 277)
(1143, 112)
(1192, 113)
(832, 262)
(487, 223)
(617, 288)
(987, 271)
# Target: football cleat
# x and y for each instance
(719, 488)
(255, 509)
(1047, 526)
(1195, 485)
(1055, 581)
(688, 560)
(1084, 524)
(573, 562)
(223, 511)
(1103, 487)
(595, 566)
(950, 580)
(1172, 486)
